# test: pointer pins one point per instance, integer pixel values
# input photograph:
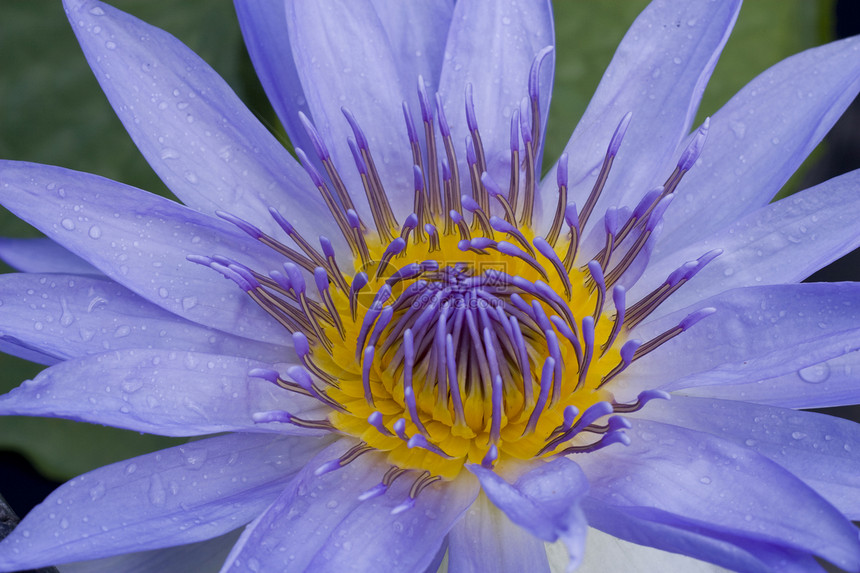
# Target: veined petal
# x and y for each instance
(816, 448)
(716, 488)
(670, 548)
(264, 29)
(184, 494)
(196, 134)
(201, 557)
(141, 240)
(827, 383)
(491, 44)
(67, 316)
(756, 333)
(42, 256)
(544, 501)
(486, 541)
(760, 137)
(319, 524)
(13, 346)
(414, 30)
(658, 74)
(339, 51)
(160, 392)
(810, 229)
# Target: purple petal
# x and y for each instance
(42, 256)
(544, 501)
(264, 28)
(818, 449)
(684, 478)
(782, 242)
(485, 540)
(757, 333)
(180, 495)
(141, 241)
(319, 524)
(825, 384)
(201, 557)
(491, 45)
(341, 52)
(658, 73)
(414, 31)
(196, 134)
(758, 139)
(159, 392)
(68, 316)
(13, 346)
(728, 551)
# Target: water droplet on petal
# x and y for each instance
(68, 224)
(815, 374)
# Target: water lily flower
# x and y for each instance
(423, 350)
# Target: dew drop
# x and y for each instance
(815, 374)
(110, 45)
(169, 153)
(95, 232)
(97, 491)
(705, 480)
(157, 494)
(97, 11)
(68, 224)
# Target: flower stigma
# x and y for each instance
(463, 335)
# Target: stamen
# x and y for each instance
(668, 335)
(450, 168)
(372, 193)
(420, 202)
(549, 253)
(326, 195)
(608, 159)
(514, 185)
(325, 157)
(534, 94)
(529, 195)
(588, 349)
(375, 181)
(572, 219)
(478, 146)
(627, 352)
(561, 179)
(337, 276)
(495, 191)
(375, 420)
(619, 298)
(283, 417)
(302, 347)
(545, 384)
(275, 378)
(358, 283)
(321, 280)
(643, 398)
(480, 215)
(433, 191)
(350, 456)
(597, 275)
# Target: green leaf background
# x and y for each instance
(52, 111)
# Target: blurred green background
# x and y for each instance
(52, 111)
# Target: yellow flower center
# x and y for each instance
(463, 303)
